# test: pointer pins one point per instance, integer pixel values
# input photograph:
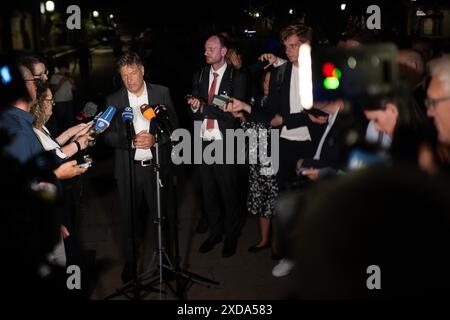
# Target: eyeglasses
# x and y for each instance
(431, 103)
(51, 100)
(40, 76)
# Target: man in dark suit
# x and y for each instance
(135, 93)
(219, 181)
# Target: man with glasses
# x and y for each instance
(36, 65)
(438, 97)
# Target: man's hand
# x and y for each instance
(144, 140)
(268, 57)
(68, 170)
(277, 121)
(194, 103)
(319, 119)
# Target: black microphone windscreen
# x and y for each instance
(90, 109)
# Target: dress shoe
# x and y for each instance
(229, 247)
(255, 248)
(209, 244)
(202, 226)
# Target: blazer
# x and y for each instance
(116, 137)
(334, 151)
(278, 102)
(233, 84)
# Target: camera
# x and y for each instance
(358, 75)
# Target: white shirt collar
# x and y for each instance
(220, 71)
(132, 96)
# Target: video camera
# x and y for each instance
(357, 75)
(362, 77)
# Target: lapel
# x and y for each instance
(225, 82)
(204, 85)
(286, 91)
(149, 93)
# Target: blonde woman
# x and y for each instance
(66, 145)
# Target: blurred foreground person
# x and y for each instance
(391, 220)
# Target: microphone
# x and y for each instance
(148, 112)
(158, 112)
(104, 120)
(102, 123)
(88, 111)
(127, 118)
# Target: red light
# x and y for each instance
(328, 69)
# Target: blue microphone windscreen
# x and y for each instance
(105, 119)
(127, 114)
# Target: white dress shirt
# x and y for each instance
(48, 142)
(295, 104)
(213, 134)
(331, 119)
(139, 122)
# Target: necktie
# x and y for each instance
(212, 91)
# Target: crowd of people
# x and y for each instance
(318, 217)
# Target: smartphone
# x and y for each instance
(220, 101)
(87, 162)
(84, 165)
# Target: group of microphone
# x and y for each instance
(102, 120)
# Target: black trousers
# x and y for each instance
(221, 199)
(290, 153)
(145, 210)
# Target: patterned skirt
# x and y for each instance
(262, 187)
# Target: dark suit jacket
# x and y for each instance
(116, 137)
(278, 102)
(333, 153)
(233, 84)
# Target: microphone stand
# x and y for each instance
(135, 284)
(170, 268)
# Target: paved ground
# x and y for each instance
(243, 276)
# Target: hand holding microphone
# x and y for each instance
(102, 123)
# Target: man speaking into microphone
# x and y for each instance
(135, 93)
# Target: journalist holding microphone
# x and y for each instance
(136, 93)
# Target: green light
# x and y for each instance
(331, 83)
(337, 73)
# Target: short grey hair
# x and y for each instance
(440, 68)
